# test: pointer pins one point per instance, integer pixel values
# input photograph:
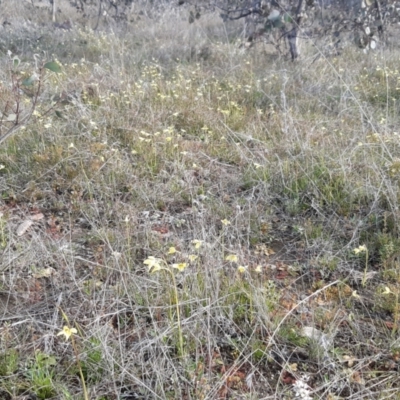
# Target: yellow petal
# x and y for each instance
(180, 266)
(360, 249)
(172, 250)
(386, 290)
(197, 243)
(193, 257)
(153, 269)
(153, 264)
(67, 332)
(231, 258)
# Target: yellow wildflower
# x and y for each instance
(360, 249)
(179, 266)
(67, 332)
(197, 243)
(231, 258)
(153, 264)
(172, 250)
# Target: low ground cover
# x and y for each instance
(197, 224)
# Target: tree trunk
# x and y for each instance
(292, 36)
(54, 10)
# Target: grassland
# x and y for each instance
(206, 222)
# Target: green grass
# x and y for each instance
(284, 167)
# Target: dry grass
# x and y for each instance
(256, 178)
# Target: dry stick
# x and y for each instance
(15, 128)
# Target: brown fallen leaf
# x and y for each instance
(357, 378)
(282, 275)
(287, 378)
(162, 229)
(223, 392)
(390, 325)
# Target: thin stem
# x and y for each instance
(364, 280)
(178, 314)
(396, 314)
(78, 361)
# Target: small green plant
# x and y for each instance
(259, 350)
(240, 295)
(394, 295)
(41, 374)
(8, 362)
(3, 235)
(91, 366)
(389, 249)
(290, 334)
